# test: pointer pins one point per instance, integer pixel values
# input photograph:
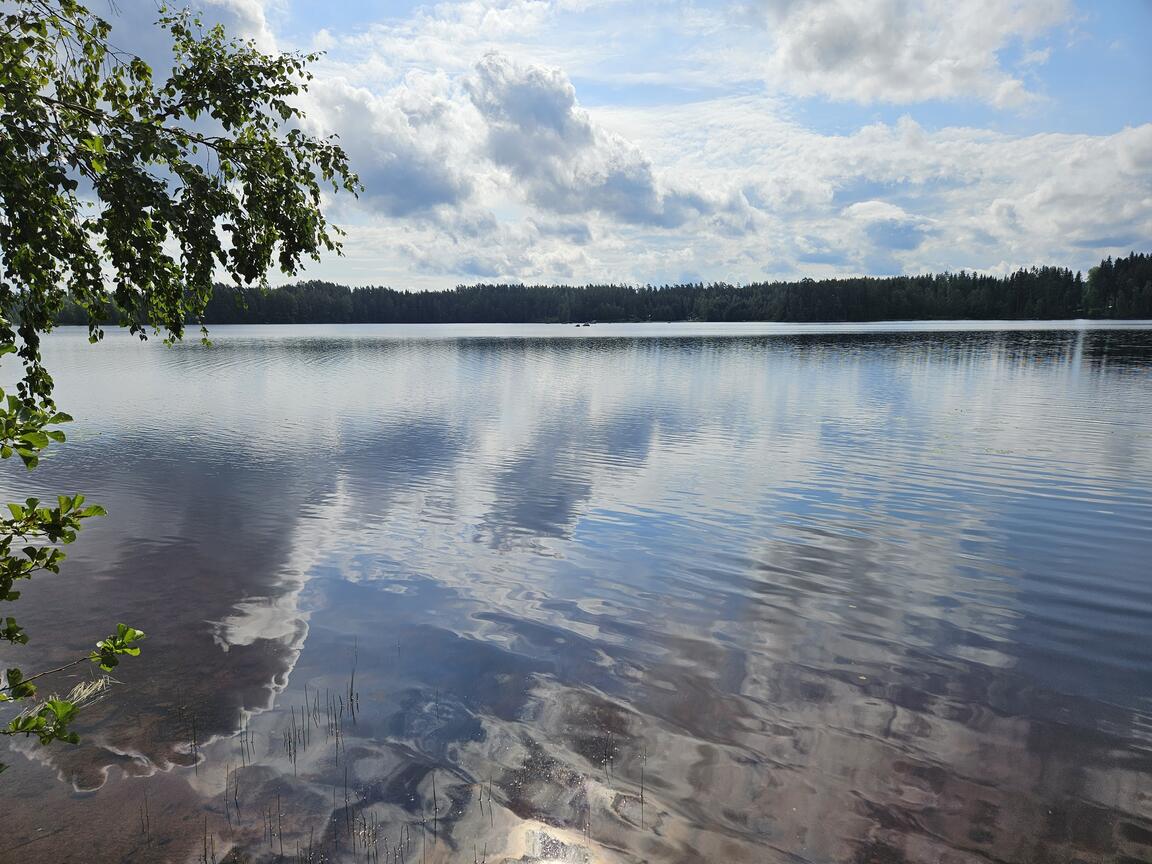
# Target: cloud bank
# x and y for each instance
(556, 140)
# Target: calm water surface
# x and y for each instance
(674, 593)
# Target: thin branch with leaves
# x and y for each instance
(130, 196)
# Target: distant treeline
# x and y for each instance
(1120, 288)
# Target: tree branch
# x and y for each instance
(63, 668)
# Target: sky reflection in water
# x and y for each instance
(823, 595)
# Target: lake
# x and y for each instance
(665, 592)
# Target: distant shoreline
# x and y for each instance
(1119, 289)
(674, 328)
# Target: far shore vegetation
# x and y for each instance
(1120, 288)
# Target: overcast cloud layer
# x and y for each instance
(608, 140)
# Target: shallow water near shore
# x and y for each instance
(665, 592)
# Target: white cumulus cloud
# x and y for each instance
(904, 50)
(563, 161)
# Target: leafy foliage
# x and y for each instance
(124, 194)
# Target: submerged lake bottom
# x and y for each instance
(625, 593)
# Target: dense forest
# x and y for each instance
(1120, 288)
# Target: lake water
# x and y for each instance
(683, 593)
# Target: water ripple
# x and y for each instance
(635, 593)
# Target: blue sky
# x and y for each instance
(592, 140)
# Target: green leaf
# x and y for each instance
(37, 440)
(62, 708)
(120, 643)
(17, 687)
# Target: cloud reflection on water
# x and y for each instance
(806, 580)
